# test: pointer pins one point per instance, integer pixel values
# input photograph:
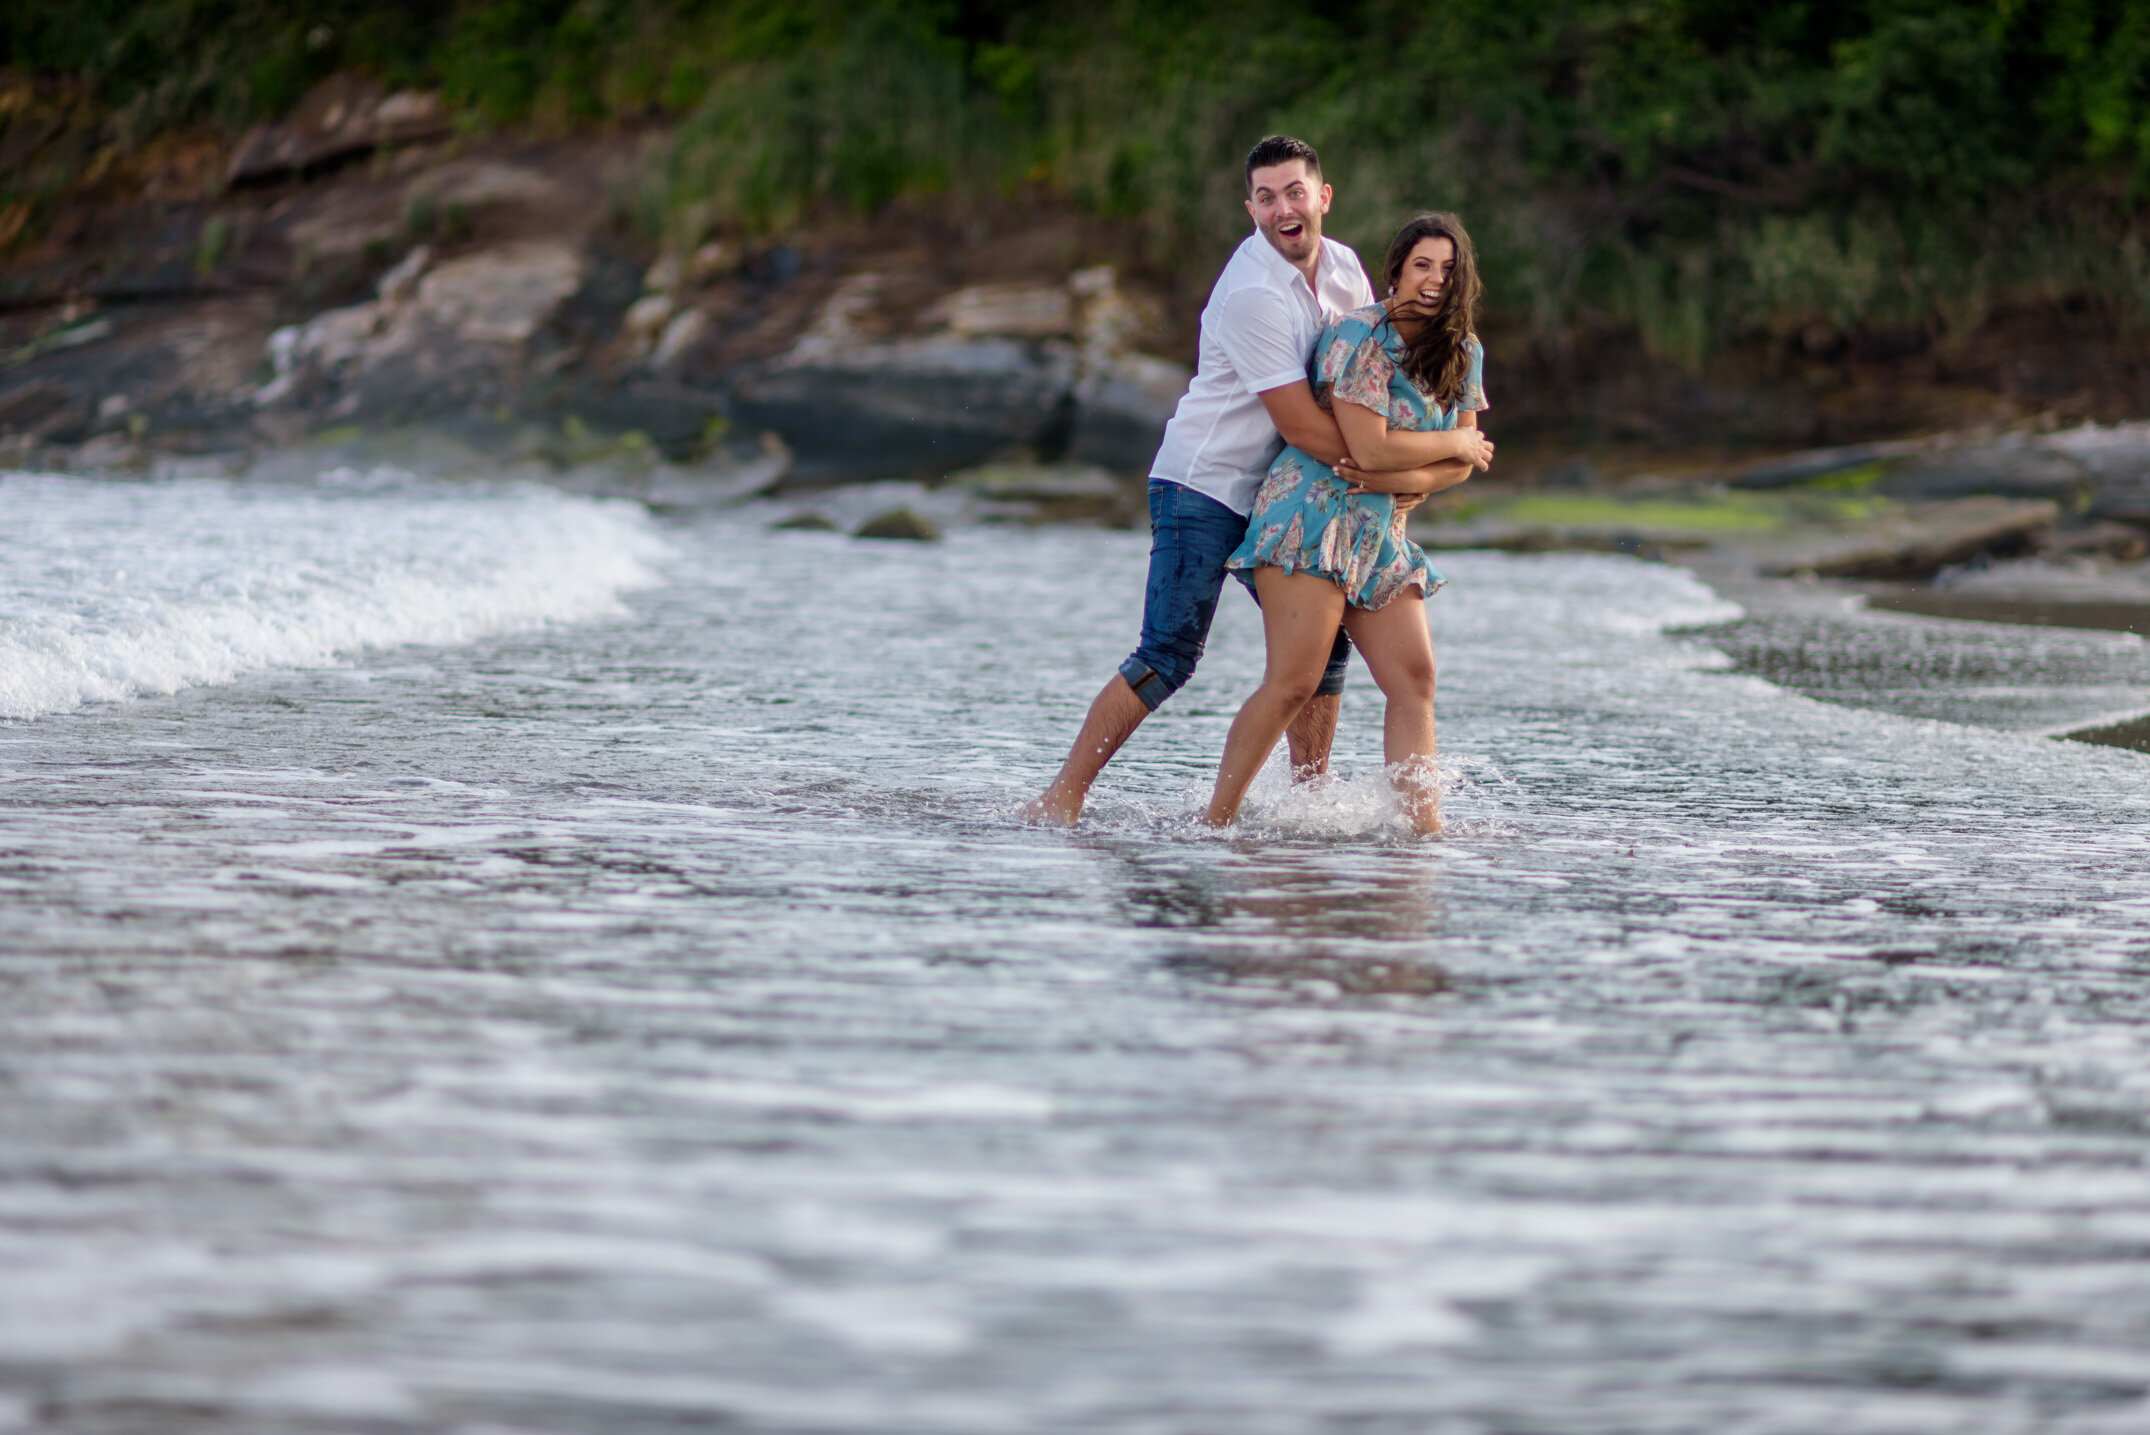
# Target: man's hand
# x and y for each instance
(1412, 483)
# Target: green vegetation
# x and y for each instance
(1704, 171)
(1702, 511)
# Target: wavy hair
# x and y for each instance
(1438, 357)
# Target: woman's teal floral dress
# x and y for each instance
(1303, 521)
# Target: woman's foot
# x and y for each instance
(1418, 792)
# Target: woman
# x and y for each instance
(1323, 549)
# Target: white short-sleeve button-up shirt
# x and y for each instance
(1258, 331)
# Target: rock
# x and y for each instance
(344, 116)
(912, 406)
(1015, 311)
(472, 185)
(663, 277)
(900, 523)
(1122, 404)
(2014, 467)
(500, 296)
(1915, 542)
(731, 474)
(713, 260)
(675, 420)
(2116, 459)
(686, 329)
(446, 337)
(43, 408)
(2100, 472)
(2096, 539)
(809, 521)
(645, 320)
(1048, 493)
(400, 283)
(1820, 463)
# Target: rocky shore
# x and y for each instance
(358, 283)
(359, 268)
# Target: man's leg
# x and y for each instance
(1190, 537)
(1313, 732)
(1114, 715)
(1311, 735)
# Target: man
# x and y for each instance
(1249, 398)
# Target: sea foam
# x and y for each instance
(112, 589)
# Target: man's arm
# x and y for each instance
(1305, 425)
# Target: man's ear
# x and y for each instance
(1328, 192)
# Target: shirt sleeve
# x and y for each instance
(1366, 287)
(1254, 329)
(1473, 396)
(1365, 374)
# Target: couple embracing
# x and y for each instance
(1317, 418)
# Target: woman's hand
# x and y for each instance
(1473, 447)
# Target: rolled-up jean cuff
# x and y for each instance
(1150, 685)
(1332, 677)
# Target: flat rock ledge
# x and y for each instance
(1915, 542)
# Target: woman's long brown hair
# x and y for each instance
(1438, 358)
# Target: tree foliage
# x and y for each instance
(1699, 169)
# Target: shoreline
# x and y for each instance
(1818, 608)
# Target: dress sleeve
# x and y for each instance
(1254, 328)
(1363, 371)
(1473, 396)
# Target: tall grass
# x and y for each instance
(1698, 171)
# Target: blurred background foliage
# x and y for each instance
(1700, 171)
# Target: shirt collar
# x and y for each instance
(1277, 264)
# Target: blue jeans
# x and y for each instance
(1191, 534)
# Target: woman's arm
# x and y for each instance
(1414, 483)
(1375, 447)
(1418, 482)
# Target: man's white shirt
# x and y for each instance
(1258, 331)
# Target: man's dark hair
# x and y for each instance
(1280, 149)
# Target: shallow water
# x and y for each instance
(636, 1011)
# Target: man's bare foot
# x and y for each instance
(1050, 809)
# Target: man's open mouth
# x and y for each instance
(1291, 229)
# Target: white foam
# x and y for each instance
(111, 590)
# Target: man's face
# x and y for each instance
(1287, 205)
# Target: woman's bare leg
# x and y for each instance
(1399, 653)
(1299, 617)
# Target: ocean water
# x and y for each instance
(487, 961)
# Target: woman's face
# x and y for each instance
(1425, 274)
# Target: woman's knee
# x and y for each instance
(1294, 692)
(1293, 688)
(1409, 680)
